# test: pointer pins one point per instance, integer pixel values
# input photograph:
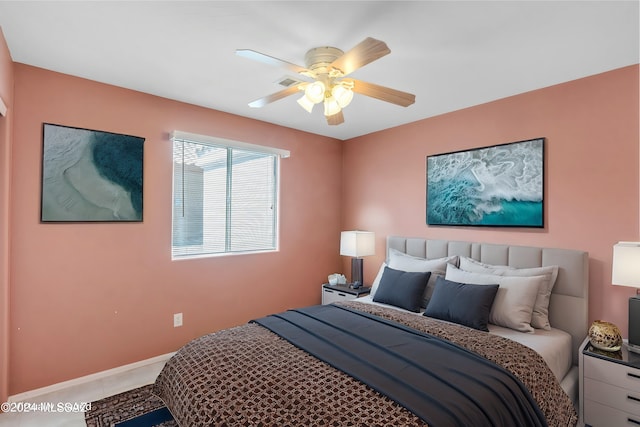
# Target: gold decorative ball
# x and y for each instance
(605, 336)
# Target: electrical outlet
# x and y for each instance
(177, 320)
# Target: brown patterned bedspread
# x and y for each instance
(248, 376)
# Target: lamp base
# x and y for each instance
(634, 323)
(633, 348)
(356, 272)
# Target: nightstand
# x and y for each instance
(609, 387)
(335, 293)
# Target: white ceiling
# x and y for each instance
(450, 54)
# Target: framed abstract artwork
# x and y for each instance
(90, 175)
(497, 186)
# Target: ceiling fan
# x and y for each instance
(326, 78)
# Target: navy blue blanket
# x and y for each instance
(440, 382)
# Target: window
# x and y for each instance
(225, 196)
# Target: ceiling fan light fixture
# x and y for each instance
(343, 95)
(315, 92)
(331, 106)
(329, 68)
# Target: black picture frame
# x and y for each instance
(497, 186)
(91, 175)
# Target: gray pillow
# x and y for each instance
(401, 288)
(437, 266)
(513, 305)
(540, 315)
(465, 304)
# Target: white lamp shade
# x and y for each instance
(342, 95)
(626, 264)
(305, 103)
(357, 243)
(331, 106)
(315, 92)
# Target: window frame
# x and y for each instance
(229, 146)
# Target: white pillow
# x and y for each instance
(438, 267)
(470, 264)
(513, 305)
(376, 281)
(540, 317)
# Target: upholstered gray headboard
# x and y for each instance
(568, 308)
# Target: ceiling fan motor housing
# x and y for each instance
(319, 59)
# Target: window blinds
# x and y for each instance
(224, 196)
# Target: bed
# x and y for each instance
(368, 362)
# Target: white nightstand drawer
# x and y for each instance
(597, 415)
(336, 293)
(610, 395)
(612, 373)
(332, 295)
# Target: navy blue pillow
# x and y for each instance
(461, 303)
(401, 288)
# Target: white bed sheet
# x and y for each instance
(554, 346)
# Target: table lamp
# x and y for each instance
(626, 272)
(357, 244)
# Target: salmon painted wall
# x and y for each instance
(6, 93)
(89, 297)
(592, 178)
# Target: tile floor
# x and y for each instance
(83, 393)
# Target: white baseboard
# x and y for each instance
(28, 395)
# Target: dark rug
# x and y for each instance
(134, 408)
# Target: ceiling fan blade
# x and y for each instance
(360, 55)
(383, 93)
(335, 119)
(291, 90)
(266, 59)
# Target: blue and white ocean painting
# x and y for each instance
(91, 175)
(494, 186)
